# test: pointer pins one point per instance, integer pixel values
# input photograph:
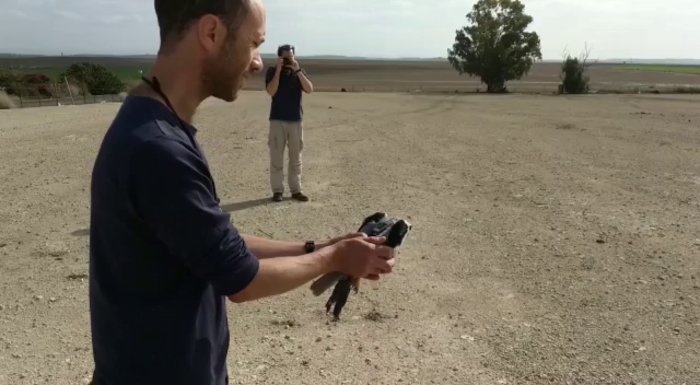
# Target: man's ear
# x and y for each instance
(211, 33)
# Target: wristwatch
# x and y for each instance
(309, 247)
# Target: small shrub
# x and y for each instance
(573, 74)
(37, 84)
(375, 316)
(9, 81)
(575, 80)
(6, 102)
(686, 90)
(565, 126)
(35, 79)
(27, 85)
(97, 79)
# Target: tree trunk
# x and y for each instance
(496, 87)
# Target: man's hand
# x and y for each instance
(360, 235)
(295, 65)
(335, 240)
(362, 257)
(280, 64)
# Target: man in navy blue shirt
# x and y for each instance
(164, 257)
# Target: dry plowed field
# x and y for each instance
(556, 239)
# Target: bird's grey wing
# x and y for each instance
(326, 282)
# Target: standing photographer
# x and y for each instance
(285, 83)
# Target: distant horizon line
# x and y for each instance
(419, 58)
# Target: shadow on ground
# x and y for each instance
(240, 206)
(81, 233)
(233, 207)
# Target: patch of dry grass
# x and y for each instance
(75, 90)
(6, 102)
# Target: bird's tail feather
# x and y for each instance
(325, 282)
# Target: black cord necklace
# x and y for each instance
(155, 85)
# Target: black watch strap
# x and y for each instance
(310, 247)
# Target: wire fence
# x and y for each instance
(64, 93)
(57, 94)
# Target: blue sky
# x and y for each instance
(377, 28)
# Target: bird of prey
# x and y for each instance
(379, 224)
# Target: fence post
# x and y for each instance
(72, 103)
(18, 92)
(84, 95)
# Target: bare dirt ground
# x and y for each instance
(556, 239)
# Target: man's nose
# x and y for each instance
(257, 64)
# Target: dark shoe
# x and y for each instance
(277, 197)
(300, 197)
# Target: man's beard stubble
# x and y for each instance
(223, 75)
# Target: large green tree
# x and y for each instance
(495, 45)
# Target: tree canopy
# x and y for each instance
(495, 45)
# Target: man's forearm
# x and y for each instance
(265, 248)
(274, 84)
(283, 274)
(306, 83)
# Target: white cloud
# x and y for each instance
(120, 19)
(70, 15)
(12, 13)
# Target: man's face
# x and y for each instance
(288, 55)
(227, 68)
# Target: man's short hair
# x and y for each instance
(285, 48)
(175, 16)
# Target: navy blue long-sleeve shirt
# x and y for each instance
(163, 255)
